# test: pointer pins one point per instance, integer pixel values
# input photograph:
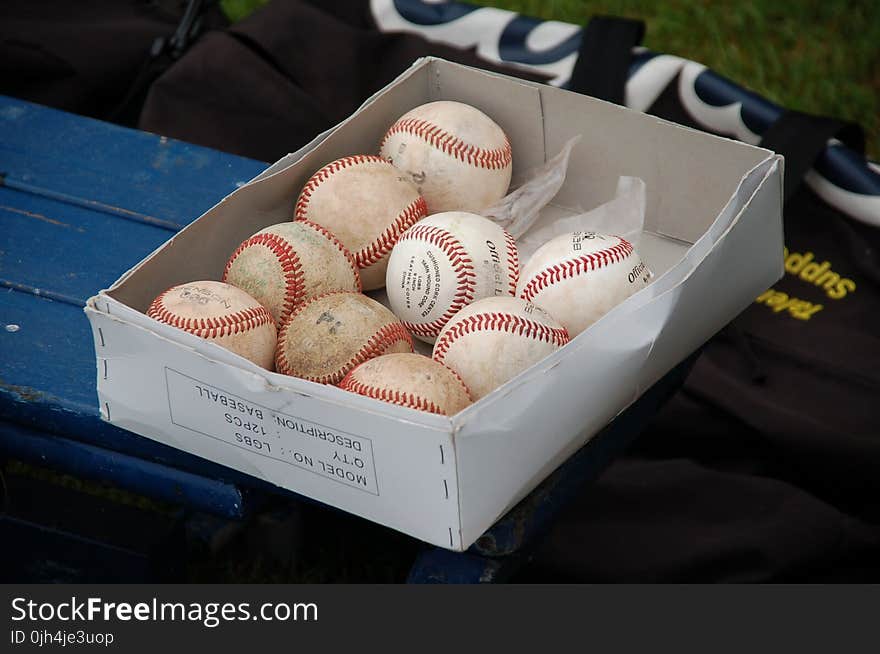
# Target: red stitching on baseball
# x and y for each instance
(341, 247)
(384, 338)
(467, 391)
(499, 322)
(378, 249)
(319, 177)
(451, 144)
(411, 400)
(462, 265)
(291, 268)
(282, 365)
(512, 262)
(234, 323)
(349, 383)
(574, 267)
(382, 245)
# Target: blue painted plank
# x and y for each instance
(48, 385)
(46, 351)
(146, 478)
(54, 247)
(105, 165)
(438, 566)
(67, 250)
(82, 201)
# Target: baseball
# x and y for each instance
(284, 265)
(458, 157)
(580, 276)
(220, 313)
(367, 204)
(494, 339)
(410, 380)
(331, 334)
(444, 263)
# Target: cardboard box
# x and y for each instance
(712, 235)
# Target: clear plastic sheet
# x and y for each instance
(623, 216)
(518, 210)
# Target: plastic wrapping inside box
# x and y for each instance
(712, 236)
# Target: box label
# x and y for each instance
(237, 422)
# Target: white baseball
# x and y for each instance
(220, 313)
(578, 277)
(494, 339)
(444, 263)
(367, 203)
(410, 380)
(284, 265)
(331, 334)
(459, 158)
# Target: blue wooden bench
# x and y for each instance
(81, 201)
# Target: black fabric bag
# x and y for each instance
(801, 367)
(95, 58)
(271, 83)
(766, 466)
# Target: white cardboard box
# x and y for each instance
(712, 235)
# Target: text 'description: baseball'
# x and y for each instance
(237, 422)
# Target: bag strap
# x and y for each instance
(604, 57)
(802, 137)
(164, 51)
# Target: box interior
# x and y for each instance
(683, 194)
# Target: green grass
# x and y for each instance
(235, 10)
(816, 56)
(813, 56)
